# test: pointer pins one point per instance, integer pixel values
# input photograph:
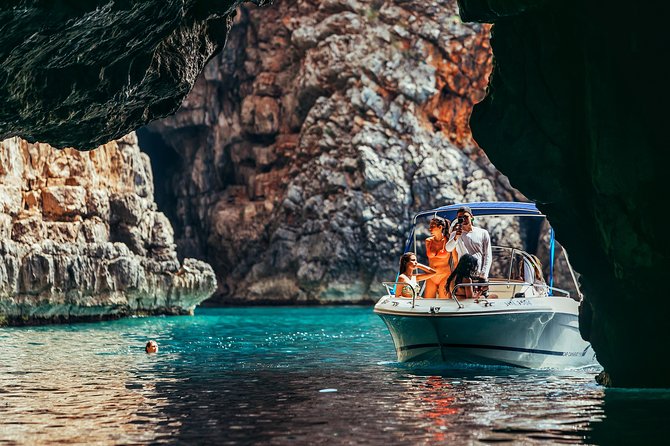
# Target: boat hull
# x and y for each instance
(532, 333)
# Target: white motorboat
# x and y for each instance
(527, 324)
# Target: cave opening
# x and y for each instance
(165, 164)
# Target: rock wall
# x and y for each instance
(296, 162)
(81, 237)
(575, 115)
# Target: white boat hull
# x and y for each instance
(539, 332)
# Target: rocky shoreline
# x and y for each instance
(82, 238)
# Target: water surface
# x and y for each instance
(289, 376)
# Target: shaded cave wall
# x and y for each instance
(168, 163)
(65, 65)
(576, 94)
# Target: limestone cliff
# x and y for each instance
(82, 238)
(297, 160)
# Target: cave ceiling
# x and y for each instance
(81, 73)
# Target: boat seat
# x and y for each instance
(505, 291)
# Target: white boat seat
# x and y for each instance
(506, 291)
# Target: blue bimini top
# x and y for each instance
(509, 208)
(485, 208)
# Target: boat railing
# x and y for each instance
(391, 286)
(565, 293)
(514, 254)
(515, 285)
(391, 290)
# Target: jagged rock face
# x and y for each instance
(82, 239)
(65, 65)
(575, 117)
(307, 145)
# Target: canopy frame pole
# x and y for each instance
(552, 248)
(572, 273)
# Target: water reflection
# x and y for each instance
(504, 404)
(254, 376)
(441, 410)
(72, 389)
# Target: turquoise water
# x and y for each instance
(289, 376)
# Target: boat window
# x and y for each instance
(502, 259)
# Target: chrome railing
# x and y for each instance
(514, 284)
(391, 290)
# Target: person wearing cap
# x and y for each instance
(468, 239)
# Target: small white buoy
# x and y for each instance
(327, 390)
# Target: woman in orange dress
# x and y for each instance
(439, 258)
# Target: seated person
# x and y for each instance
(522, 269)
(441, 260)
(482, 290)
(408, 281)
(529, 271)
(466, 272)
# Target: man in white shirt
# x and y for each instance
(467, 239)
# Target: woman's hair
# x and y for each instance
(466, 268)
(443, 222)
(404, 260)
(537, 268)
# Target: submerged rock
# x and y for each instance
(82, 239)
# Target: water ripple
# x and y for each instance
(258, 375)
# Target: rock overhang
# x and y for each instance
(84, 72)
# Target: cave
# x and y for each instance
(82, 73)
(165, 162)
(574, 115)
